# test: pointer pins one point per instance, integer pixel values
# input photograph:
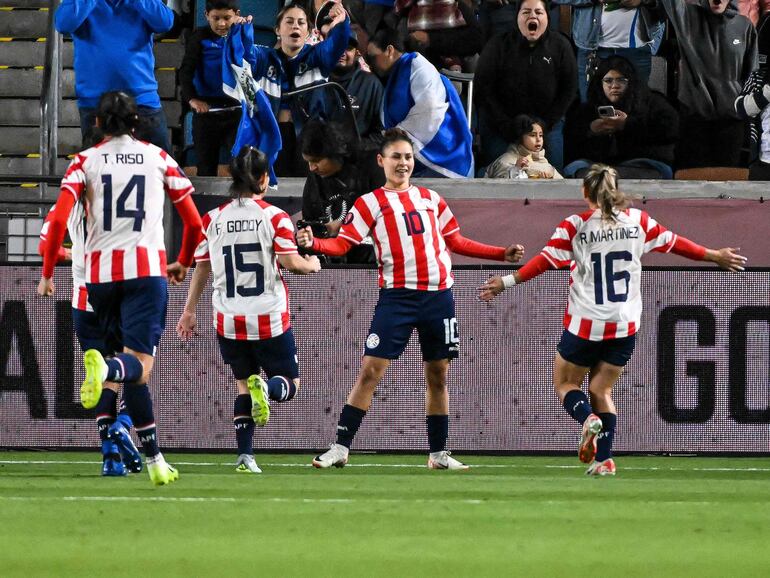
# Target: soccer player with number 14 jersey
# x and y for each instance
(123, 183)
(603, 247)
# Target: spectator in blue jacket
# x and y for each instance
(113, 52)
(627, 28)
(295, 64)
(216, 115)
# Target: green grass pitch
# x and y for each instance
(385, 516)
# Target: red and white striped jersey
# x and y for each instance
(242, 239)
(605, 300)
(124, 181)
(77, 230)
(408, 228)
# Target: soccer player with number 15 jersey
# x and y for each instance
(603, 247)
(244, 241)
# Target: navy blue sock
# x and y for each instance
(438, 432)
(244, 424)
(280, 388)
(139, 405)
(123, 417)
(124, 368)
(577, 405)
(105, 417)
(605, 437)
(350, 421)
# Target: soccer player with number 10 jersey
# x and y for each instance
(603, 247)
(123, 183)
(413, 230)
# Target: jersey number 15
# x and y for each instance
(234, 261)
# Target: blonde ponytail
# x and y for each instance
(601, 183)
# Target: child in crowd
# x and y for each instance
(216, 115)
(525, 158)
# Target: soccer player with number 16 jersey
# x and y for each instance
(413, 230)
(123, 183)
(603, 247)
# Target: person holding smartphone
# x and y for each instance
(624, 124)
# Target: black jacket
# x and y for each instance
(365, 93)
(651, 130)
(330, 198)
(202, 68)
(718, 53)
(515, 78)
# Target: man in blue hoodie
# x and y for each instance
(113, 51)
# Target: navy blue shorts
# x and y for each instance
(131, 312)
(400, 311)
(90, 334)
(586, 353)
(277, 356)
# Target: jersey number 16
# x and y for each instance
(610, 276)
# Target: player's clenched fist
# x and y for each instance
(305, 238)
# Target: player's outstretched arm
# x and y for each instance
(191, 234)
(185, 327)
(727, 258)
(335, 247)
(497, 284)
(301, 265)
(470, 248)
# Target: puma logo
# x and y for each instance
(547, 59)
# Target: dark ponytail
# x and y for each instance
(248, 169)
(117, 114)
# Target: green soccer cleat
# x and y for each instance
(160, 472)
(260, 402)
(96, 368)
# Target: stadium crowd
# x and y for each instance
(587, 94)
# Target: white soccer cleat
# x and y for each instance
(445, 461)
(161, 473)
(336, 455)
(591, 428)
(247, 465)
(605, 468)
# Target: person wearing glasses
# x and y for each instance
(623, 124)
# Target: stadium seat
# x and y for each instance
(22, 61)
(712, 174)
(263, 12)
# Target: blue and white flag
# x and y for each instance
(258, 126)
(424, 103)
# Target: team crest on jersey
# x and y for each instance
(372, 341)
(271, 73)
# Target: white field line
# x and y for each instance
(416, 466)
(471, 502)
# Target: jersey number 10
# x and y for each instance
(234, 261)
(610, 276)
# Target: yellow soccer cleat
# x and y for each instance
(260, 402)
(160, 472)
(96, 369)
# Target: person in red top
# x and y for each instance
(602, 247)
(413, 230)
(123, 183)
